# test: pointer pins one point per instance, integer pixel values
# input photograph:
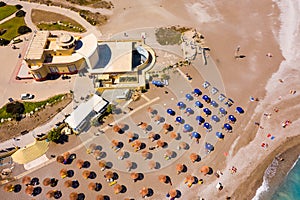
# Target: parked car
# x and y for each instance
(27, 96)
(10, 99)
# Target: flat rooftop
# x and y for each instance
(37, 44)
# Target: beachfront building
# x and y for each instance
(112, 64)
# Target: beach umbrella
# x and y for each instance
(73, 196)
(134, 176)
(188, 97)
(102, 164)
(173, 193)
(162, 178)
(144, 125)
(152, 164)
(86, 174)
(189, 179)
(60, 159)
(116, 128)
(115, 143)
(97, 154)
(207, 111)
(29, 190)
(197, 91)
(196, 135)
(219, 135)
(166, 126)
(160, 143)
(204, 170)
(173, 135)
(92, 186)
(214, 104)
(198, 104)
(50, 194)
(100, 197)
(179, 168)
(108, 175)
(9, 187)
(187, 127)
(180, 104)
(26, 180)
(121, 155)
(79, 163)
(228, 127)
(232, 118)
(145, 154)
(222, 111)
(137, 144)
(63, 173)
(117, 188)
(92, 147)
(168, 153)
(207, 125)
(66, 155)
(151, 136)
(215, 118)
(178, 119)
(46, 181)
(144, 191)
(206, 98)
(157, 118)
(239, 110)
(128, 164)
(170, 111)
(68, 183)
(189, 110)
(183, 145)
(200, 119)
(209, 146)
(150, 110)
(194, 157)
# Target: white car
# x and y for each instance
(27, 96)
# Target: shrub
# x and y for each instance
(54, 134)
(23, 30)
(2, 31)
(20, 13)
(15, 108)
(18, 6)
(4, 42)
(2, 4)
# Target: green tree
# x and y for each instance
(54, 134)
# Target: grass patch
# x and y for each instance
(31, 106)
(169, 35)
(48, 21)
(12, 26)
(6, 11)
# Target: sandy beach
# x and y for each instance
(257, 28)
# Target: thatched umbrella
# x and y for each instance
(152, 164)
(179, 168)
(116, 128)
(145, 154)
(86, 174)
(173, 135)
(144, 191)
(92, 186)
(151, 136)
(162, 178)
(66, 155)
(46, 181)
(173, 193)
(73, 196)
(134, 176)
(183, 145)
(144, 125)
(128, 165)
(50, 194)
(160, 143)
(8, 187)
(97, 154)
(68, 183)
(204, 170)
(60, 159)
(29, 190)
(26, 180)
(63, 173)
(79, 163)
(194, 157)
(109, 175)
(102, 165)
(117, 188)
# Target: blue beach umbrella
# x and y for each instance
(214, 104)
(206, 98)
(197, 91)
(200, 119)
(215, 118)
(239, 110)
(223, 111)
(189, 110)
(219, 135)
(198, 104)
(207, 125)
(196, 135)
(189, 97)
(170, 111)
(227, 127)
(181, 104)
(209, 146)
(207, 111)
(232, 118)
(179, 119)
(187, 127)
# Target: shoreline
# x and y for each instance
(289, 150)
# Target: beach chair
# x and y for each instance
(206, 84)
(112, 183)
(221, 97)
(214, 90)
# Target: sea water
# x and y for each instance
(290, 188)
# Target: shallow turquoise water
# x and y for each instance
(290, 188)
